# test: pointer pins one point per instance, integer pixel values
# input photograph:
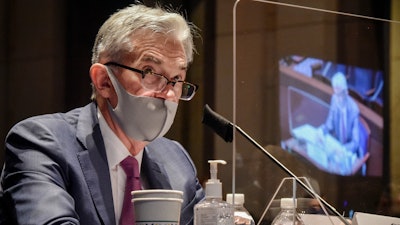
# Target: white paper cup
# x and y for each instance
(161, 211)
(157, 193)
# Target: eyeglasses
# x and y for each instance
(158, 82)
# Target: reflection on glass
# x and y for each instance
(333, 134)
(285, 57)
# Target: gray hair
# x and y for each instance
(114, 39)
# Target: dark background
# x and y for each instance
(45, 52)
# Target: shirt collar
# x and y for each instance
(115, 149)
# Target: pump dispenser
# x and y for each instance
(213, 210)
(214, 185)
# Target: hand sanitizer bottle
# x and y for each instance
(213, 210)
(241, 214)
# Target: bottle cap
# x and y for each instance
(239, 198)
(288, 203)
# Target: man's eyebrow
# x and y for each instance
(150, 58)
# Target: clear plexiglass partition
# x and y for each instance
(311, 87)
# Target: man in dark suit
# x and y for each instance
(66, 168)
(343, 124)
(343, 118)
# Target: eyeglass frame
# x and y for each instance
(143, 73)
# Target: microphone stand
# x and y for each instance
(224, 128)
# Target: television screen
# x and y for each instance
(331, 114)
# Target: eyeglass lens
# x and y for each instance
(158, 82)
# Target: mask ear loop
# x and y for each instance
(116, 85)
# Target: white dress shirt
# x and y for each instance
(116, 152)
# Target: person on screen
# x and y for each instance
(343, 117)
(67, 168)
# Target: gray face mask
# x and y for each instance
(141, 118)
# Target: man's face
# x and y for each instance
(160, 55)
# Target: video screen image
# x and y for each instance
(331, 114)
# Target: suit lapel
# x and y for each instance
(94, 164)
(153, 172)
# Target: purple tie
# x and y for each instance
(343, 129)
(131, 168)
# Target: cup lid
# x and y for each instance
(156, 191)
(157, 199)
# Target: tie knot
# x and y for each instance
(130, 166)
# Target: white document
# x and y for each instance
(372, 219)
(320, 219)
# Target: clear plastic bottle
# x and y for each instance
(213, 210)
(241, 214)
(288, 214)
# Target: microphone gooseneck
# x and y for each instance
(224, 128)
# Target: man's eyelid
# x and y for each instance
(150, 68)
(147, 68)
(178, 77)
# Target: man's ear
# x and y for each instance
(101, 81)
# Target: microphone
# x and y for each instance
(219, 124)
(224, 128)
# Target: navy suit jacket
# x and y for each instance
(56, 172)
(332, 123)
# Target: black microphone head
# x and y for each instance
(219, 124)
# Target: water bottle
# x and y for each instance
(241, 214)
(288, 214)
